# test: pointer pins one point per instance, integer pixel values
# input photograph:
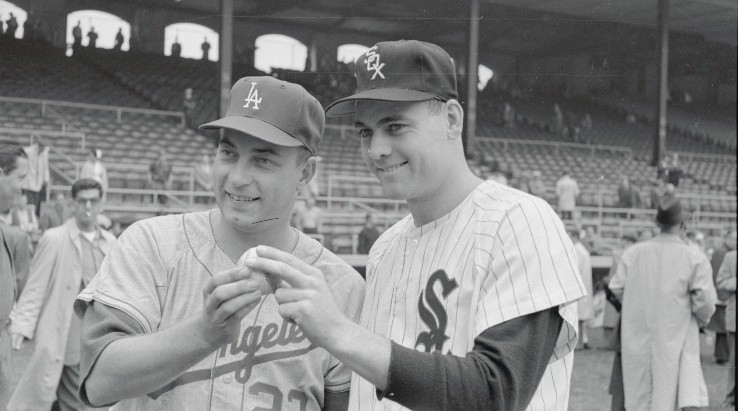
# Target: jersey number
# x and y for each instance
(277, 396)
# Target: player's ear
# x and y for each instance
(309, 168)
(454, 119)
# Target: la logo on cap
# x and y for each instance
(373, 64)
(253, 97)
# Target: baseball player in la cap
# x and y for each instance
(470, 298)
(173, 321)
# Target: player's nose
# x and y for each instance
(241, 174)
(378, 148)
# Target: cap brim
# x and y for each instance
(347, 105)
(255, 127)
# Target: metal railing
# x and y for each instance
(119, 111)
(557, 145)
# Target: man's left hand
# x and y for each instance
(303, 296)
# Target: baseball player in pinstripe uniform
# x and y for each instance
(470, 300)
(172, 321)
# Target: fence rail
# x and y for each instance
(119, 111)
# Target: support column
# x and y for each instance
(659, 141)
(472, 78)
(226, 52)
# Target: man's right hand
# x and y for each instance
(16, 341)
(228, 297)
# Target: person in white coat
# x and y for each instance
(567, 192)
(66, 259)
(667, 293)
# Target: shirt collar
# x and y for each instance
(75, 232)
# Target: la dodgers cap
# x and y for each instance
(273, 110)
(404, 70)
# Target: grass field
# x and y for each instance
(590, 379)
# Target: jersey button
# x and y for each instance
(414, 243)
(227, 380)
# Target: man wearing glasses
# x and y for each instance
(66, 259)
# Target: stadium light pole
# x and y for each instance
(226, 52)
(659, 142)
(471, 77)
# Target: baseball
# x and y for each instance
(267, 283)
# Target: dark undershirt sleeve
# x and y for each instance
(502, 372)
(101, 325)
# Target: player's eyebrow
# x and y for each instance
(266, 150)
(226, 141)
(383, 121)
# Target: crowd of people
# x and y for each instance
(212, 309)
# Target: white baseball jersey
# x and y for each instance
(498, 255)
(156, 273)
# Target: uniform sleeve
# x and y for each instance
(132, 278)
(349, 294)
(528, 264)
(702, 293)
(101, 325)
(502, 372)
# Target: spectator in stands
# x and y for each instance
(717, 323)
(77, 35)
(628, 196)
(23, 215)
(67, 258)
(12, 23)
(675, 172)
(536, 185)
(308, 218)
(189, 105)
(658, 189)
(204, 177)
(508, 116)
(13, 169)
(53, 214)
(587, 123)
(176, 48)
(205, 46)
(558, 120)
(92, 36)
(592, 240)
(726, 282)
(160, 175)
(585, 305)
(95, 169)
(119, 40)
(567, 191)
(667, 293)
(368, 235)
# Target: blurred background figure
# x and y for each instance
(585, 305)
(160, 175)
(368, 235)
(119, 40)
(95, 169)
(567, 192)
(726, 291)
(23, 215)
(189, 105)
(719, 320)
(308, 219)
(204, 177)
(53, 213)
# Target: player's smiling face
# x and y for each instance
(255, 180)
(405, 145)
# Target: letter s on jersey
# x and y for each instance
(433, 313)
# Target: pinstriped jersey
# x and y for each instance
(498, 255)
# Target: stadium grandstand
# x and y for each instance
(602, 90)
(556, 101)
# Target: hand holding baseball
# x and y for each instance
(303, 296)
(228, 297)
